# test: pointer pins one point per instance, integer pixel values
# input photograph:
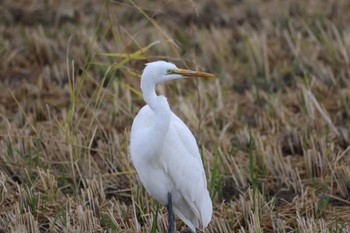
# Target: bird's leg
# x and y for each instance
(170, 214)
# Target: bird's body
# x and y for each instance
(166, 156)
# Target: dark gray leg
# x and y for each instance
(170, 214)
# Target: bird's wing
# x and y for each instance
(187, 138)
(184, 166)
(189, 142)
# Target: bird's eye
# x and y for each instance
(169, 71)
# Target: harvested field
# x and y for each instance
(273, 127)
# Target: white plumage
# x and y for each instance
(165, 153)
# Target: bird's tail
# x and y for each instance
(206, 209)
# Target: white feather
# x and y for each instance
(165, 153)
(178, 168)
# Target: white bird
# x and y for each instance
(165, 153)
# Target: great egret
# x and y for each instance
(165, 153)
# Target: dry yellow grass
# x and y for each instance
(273, 128)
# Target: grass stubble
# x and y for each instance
(273, 128)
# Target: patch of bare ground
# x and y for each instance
(273, 128)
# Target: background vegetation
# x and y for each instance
(273, 128)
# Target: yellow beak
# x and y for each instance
(191, 73)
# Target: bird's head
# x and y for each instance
(160, 71)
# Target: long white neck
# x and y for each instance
(159, 105)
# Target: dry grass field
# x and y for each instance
(273, 127)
